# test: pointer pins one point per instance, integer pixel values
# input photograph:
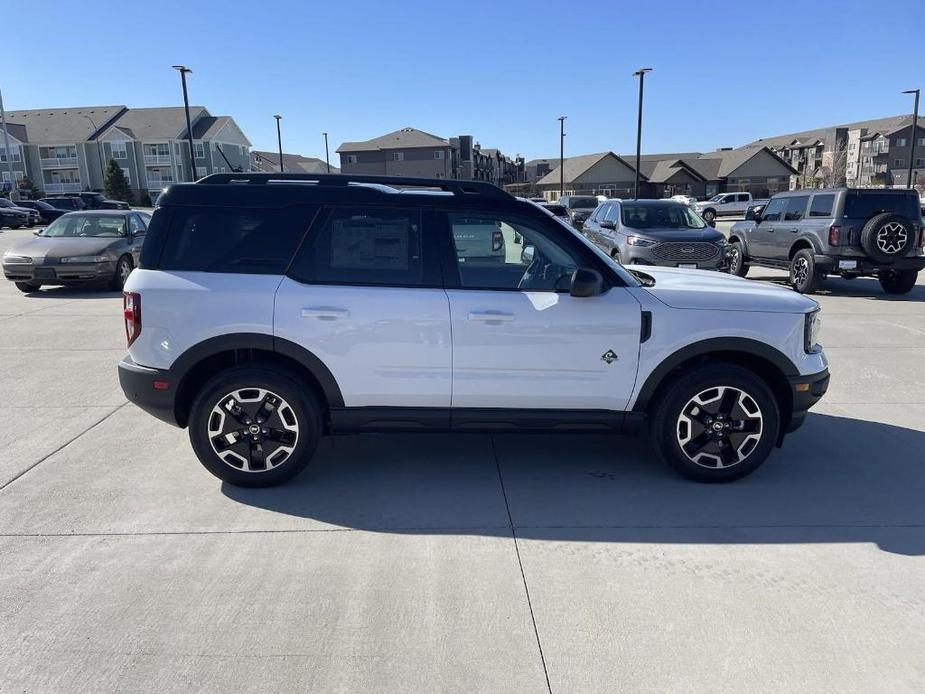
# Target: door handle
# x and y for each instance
(794, 229)
(325, 312)
(491, 316)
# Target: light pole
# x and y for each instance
(562, 155)
(641, 73)
(327, 160)
(6, 149)
(99, 149)
(279, 141)
(183, 70)
(915, 122)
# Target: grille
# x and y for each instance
(679, 252)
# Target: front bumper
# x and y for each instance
(138, 384)
(806, 392)
(60, 273)
(643, 255)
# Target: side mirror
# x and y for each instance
(712, 223)
(586, 282)
(607, 224)
(36, 232)
(527, 254)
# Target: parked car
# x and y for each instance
(47, 213)
(13, 218)
(316, 309)
(724, 205)
(98, 247)
(32, 217)
(688, 200)
(97, 201)
(656, 232)
(68, 203)
(842, 231)
(556, 210)
(579, 207)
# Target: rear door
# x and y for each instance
(364, 295)
(521, 341)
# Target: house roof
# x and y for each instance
(63, 125)
(664, 169)
(577, 166)
(406, 138)
(16, 130)
(731, 159)
(886, 125)
(293, 163)
(164, 123)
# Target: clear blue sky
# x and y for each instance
(725, 72)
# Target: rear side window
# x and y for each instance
(245, 241)
(821, 206)
(367, 246)
(796, 207)
(865, 205)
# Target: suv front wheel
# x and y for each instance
(254, 426)
(716, 423)
(897, 281)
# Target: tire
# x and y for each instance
(738, 265)
(684, 415)
(26, 287)
(886, 237)
(14, 227)
(897, 281)
(709, 215)
(804, 275)
(123, 269)
(271, 459)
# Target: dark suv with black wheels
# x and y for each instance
(838, 231)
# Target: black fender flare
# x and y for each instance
(742, 345)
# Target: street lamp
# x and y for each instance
(279, 141)
(641, 73)
(99, 148)
(915, 122)
(562, 155)
(183, 70)
(327, 161)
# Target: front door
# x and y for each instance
(520, 340)
(763, 238)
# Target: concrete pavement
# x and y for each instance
(457, 562)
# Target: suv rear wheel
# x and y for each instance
(804, 276)
(897, 281)
(716, 423)
(254, 426)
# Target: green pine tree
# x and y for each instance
(115, 184)
(26, 184)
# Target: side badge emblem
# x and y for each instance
(609, 356)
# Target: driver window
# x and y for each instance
(493, 253)
(772, 211)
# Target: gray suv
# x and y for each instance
(849, 232)
(656, 232)
(578, 207)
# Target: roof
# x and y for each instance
(886, 125)
(577, 166)
(207, 127)
(406, 138)
(16, 130)
(292, 163)
(666, 168)
(164, 123)
(63, 125)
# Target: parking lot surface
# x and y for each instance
(490, 563)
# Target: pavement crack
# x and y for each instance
(520, 563)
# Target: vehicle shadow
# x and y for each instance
(836, 480)
(860, 287)
(73, 292)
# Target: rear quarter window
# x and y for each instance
(244, 241)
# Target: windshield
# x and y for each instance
(670, 216)
(715, 198)
(6, 203)
(589, 203)
(81, 225)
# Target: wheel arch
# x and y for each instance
(800, 244)
(199, 363)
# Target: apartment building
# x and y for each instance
(268, 162)
(67, 150)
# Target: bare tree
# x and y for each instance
(834, 169)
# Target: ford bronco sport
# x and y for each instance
(271, 309)
(841, 231)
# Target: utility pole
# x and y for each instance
(641, 73)
(6, 146)
(99, 150)
(279, 141)
(327, 160)
(562, 155)
(182, 69)
(915, 123)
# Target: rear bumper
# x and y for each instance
(806, 392)
(138, 385)
(866, 266)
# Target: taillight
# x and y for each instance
(131, 311)
(921, 236)
(835, 235)
(497, 240)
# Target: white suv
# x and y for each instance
(271, 309)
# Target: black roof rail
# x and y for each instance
(449, 185)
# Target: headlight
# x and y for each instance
(638, 241)
(85, 259)
(811, 329)
(722, 242)
(9, 259)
